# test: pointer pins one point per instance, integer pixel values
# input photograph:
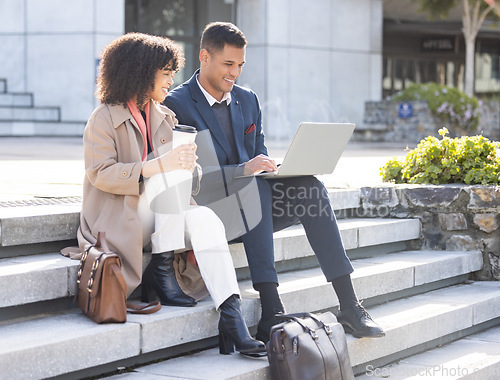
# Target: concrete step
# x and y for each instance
(14, 113)
(476, 356)
(414, 322)
(301, 290)
(27, 277)
(45, 220)
(373, 277)
(16, 99)
(31, 224)
(33, 127)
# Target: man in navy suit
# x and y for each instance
(211, 101)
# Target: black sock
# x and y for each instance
(344, 290)
(270, 300)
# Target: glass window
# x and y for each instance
(450, 74)
(398, 74)
(487, 73)
(461, 77)
(410, 73)
(441, 73)
(495, 66)
(387, 74)
(431, 72)
(181, 20)
(190, 65)
(420, 72)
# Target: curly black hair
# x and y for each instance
(129, 65)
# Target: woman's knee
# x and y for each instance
(208, 217)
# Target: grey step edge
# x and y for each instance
(20, 99)
(172, 325)
(50, 276)
(407, 323)
(42, 128)
(21, 113)
(42, 223)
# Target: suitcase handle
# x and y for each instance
(296, 317)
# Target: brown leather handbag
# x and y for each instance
(310, 347)
(101, 288)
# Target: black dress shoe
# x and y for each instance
(265, 325)
(233, 331)
(357, 321)
(159, 278)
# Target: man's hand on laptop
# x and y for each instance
(260, 163)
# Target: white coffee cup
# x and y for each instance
(170, 193)
(183, 134)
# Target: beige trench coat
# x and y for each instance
(113, 146)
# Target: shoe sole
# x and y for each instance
(351, 331)
(254, 354)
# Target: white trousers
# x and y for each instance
(204, 233)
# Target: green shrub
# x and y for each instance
(470, 159)
(447, 103)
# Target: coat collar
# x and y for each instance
(120, 114)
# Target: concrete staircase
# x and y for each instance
(19, 117)
(424, 300)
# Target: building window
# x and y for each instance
(399, 73)
(180, 20)
(487, 81)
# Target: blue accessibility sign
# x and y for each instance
(405, 110)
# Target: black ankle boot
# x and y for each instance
(233, 331)
(159, 277)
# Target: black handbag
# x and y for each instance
(307, 346)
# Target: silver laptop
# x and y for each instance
(315, 149)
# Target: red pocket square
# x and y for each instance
(250, 129)
(191, 258)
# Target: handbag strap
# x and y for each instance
(101, 241)
(150, 308)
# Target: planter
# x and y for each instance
(453, 217)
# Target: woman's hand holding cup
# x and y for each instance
(181, 158)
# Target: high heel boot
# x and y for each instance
(233, 331)
(159, 278)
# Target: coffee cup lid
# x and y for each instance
(185, 128)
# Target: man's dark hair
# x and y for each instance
(129, 65)
(217, 34)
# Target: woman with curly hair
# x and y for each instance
(127, 141)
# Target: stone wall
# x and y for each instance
(381, 122)
(453, 217)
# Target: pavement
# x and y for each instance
(34, 168)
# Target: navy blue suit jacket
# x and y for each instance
(192, 108)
